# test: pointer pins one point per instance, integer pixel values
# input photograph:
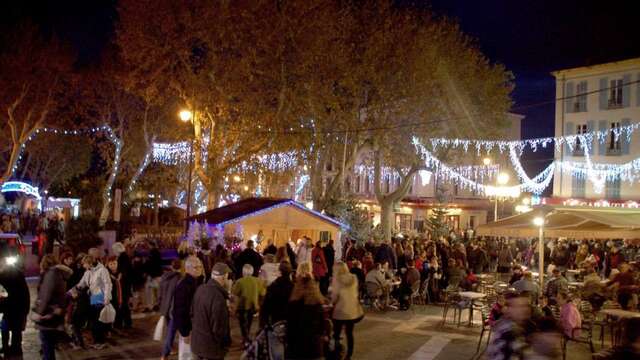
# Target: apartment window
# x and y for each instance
(367, 184)
(580, 104)
(578, 184)
(387, 184)
(615, 93)
(472, 221)
(398, 182)
(403, 222)
(578, 150)
(614, 144)
(347, 184)
(456, 190)
(612, 189)
(358, 180)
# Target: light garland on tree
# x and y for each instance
(106, 129)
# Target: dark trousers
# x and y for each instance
(123, 315)
(16, 342)
(337, 330)
(48, 339)
(245, 317)
(98, 329)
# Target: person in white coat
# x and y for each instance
(97, 282)
(347, 310)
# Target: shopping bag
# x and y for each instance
(184, 350)
(107, 314)
(157, 333)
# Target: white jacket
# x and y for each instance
(97, 280)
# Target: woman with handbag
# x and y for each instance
(347, 310)
(97, 282)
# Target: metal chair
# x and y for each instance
(586, 330)
(415, 293)
(453, 301)
(485, 311)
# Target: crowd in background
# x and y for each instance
(317, 296)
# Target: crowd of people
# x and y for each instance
(46, 229)
(305, 297)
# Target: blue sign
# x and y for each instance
(19, 186)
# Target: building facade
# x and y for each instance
(602, 97)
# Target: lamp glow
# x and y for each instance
(503, 178)
(185, 115)
(538, 221)
(486, 161)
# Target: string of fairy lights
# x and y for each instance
(473, 177)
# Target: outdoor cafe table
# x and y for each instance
(473, 296)
(621, 315)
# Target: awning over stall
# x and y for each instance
(570, 222)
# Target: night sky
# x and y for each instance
(531, 37)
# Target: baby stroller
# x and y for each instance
(260, 348)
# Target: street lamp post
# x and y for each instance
(539, 222)
(186, 116)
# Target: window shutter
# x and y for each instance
(623, 137)
(626, 90)
(569, 129)
(586, 97)
(602, 147)
(568, 95)
(604, 94)
(591, 126)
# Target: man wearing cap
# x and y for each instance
(211, 334)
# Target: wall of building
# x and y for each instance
(598, 112)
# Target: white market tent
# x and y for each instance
(567, 221)
(278, 219)
(570, 222)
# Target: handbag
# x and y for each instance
(159, 330)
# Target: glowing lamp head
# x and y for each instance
(526, 201)
(486, 161)
(236, 178)
(503, 178)
(246, 188)
(185, 115)
(538, 221)
(11, 260)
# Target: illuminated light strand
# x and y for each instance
(104, 129)
(502, 145)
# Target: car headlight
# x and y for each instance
(11, 260)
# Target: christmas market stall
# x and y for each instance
(261, 219)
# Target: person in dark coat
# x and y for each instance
(274, 306)
(183, 296)
(248, 256)
(153, 267)
(270, 248)
(15, 308)
(292, 256)
(386, 254)
(124, 274)
(329, 256)
(168, 283)
(50, 304)
(211, 334)
(307, 322)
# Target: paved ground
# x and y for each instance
(415, 334)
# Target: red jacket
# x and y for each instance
(319, 262)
